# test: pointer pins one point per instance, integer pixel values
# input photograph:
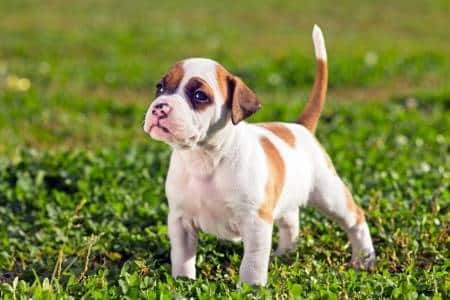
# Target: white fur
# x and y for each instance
(319, 43)
(217, 185)
(219, 191)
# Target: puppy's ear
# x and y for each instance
(242, 100)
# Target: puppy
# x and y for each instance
(236, 180)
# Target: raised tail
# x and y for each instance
(310, 116)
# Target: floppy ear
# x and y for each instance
(243, 100)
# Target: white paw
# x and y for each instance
(183, 276)
(183, 273)
(282, 251)
(254, 281)
(364, 262)
(253, 277)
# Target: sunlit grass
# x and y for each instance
(82, 204)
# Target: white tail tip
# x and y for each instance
(319, 43)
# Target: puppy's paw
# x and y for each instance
(280, 252)
(364, 262)
(182, 272)
(184, 277)
(253, 278)
(254, 282)
(283, 251)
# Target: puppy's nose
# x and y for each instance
(161, 110)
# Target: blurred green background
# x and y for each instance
(82, 202)
(89, 67)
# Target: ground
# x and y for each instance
(82, 204)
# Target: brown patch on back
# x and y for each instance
(275, 182)
(172, 79)
(353, 207)
(197, 84)
(281, 131)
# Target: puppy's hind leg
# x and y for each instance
(288, 227)
(334, 199)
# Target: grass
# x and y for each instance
(82, 204)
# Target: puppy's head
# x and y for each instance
(196, 99)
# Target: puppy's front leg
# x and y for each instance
(257, 237)
(183, 247)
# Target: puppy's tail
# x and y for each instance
(314, 106)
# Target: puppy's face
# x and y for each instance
(195, 99)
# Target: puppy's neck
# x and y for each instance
(203, 159)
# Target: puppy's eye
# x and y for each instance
(159, 88)
(200, 96)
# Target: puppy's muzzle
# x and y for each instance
(161, 110)
(157, 113)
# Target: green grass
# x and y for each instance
(82, 204)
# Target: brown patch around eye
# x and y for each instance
(282, 131)
(197, 84)
(172, 79)
(275, 181)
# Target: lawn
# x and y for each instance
(82, 204)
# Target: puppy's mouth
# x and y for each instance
(161, 132)
(165, 129)
(164, 132)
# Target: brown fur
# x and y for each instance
(222, 77)
(353, 207)
(275, 182)
(194, 84)
(242, 101)
(282, 131)
(314, 106)
(172, 79)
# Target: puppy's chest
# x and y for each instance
(207, 205)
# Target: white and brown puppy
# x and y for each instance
(234, 179)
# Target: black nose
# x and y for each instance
(161, 110)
